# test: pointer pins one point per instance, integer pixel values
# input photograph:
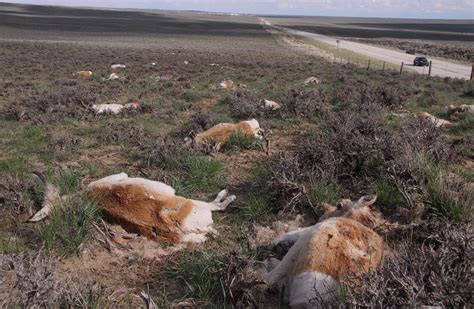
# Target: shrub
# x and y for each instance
(201, 121)
(37, 283)
(243, 103)
(303, 102)
(432, 267)
(359, 93)
(68, 101)
(348, 153)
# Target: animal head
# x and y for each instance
(424, 115)
(361, 211)
(190, 140)
(255, 127)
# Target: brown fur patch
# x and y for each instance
(367, 215)
(222, 132)
(84, 73)
(339, 248)
(157, 216)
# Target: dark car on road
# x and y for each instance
(421, 62)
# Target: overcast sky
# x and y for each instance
(366, 8)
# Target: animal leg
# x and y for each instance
(226, 202)
(220, 196)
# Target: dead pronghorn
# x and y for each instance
(456, 111)
(220, 133)
(271, 105)
(439, 123)
(83, 73)
(115, 108)
(342, 245)
(152, 209)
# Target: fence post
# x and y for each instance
(368, 65)
(383, 66)
(429, 71)
(472, 72)
(401, 68)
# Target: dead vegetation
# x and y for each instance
(431, 266)
(31, 280)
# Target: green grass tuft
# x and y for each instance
(324, 193)
(255, 207)
(201, 273)
(464, 126)
(16, 166)
(439, 197)
(387, 193)
(200, 174)
(71, 225)
(240, 141)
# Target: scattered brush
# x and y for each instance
(34, 281)
(432, 267)
(201, 121)
(221, 279)
(243, 103)
(303, 102)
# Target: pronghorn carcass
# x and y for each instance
(271, 105)
(439, 123)
(228, 84)
(461, 109)
(83, 73)
(221, 133)
(312, 80)
(114, 108)
(151, 208)
(343, 244)
(118, 66)
(115, 76)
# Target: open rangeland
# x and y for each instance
(347, 133)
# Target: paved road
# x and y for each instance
(439, 68)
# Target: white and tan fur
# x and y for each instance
(342, 245)
(439, 123)
(114, 108)
(83, 73)
(312, 80)
(118, 66)
(271, 105)
(456, 110)
(152, 209)
(222, 132)
(115, 76)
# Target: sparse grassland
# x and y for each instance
(355, 133)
